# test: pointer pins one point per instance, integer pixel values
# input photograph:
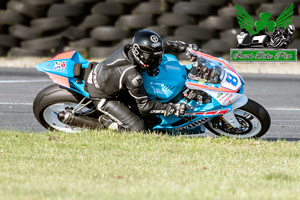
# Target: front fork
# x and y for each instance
(230, 117)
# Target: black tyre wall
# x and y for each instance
(110, 9)
(24, 32)
(50, 24)
(11, 18)
(192, 8)
(108, 33)
(66, 10)
(45, 43)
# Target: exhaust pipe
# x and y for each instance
(79, 121)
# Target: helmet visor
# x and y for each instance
(152, 59)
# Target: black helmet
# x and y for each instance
(147, 48)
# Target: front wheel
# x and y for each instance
(254, 120)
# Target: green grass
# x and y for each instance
(108, 165)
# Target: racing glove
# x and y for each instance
(177, 109)
(179, 46)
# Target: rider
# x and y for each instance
(121, 73)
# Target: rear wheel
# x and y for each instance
(52, 100)
(253, 118)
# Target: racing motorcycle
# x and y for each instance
(215, 101)
(281, 37)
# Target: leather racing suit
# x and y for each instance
(119, 78)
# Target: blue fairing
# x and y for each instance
(168, 83)
(52, 66)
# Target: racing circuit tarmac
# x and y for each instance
(279, 94)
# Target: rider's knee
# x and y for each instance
(136, 125)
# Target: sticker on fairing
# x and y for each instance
(60, 65)
(231, 81)
(224, 98)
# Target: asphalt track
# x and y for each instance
(279, 94)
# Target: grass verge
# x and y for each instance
(108, 165)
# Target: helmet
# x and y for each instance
(147, 48)
(291, 29)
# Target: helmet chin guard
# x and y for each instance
(136, 52)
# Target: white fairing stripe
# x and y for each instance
(120, 83)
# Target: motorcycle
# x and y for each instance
(281, 37)
(216, 103)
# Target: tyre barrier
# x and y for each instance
(174, 20)
(134, 21)
(216, 45)
(230, 36)
(150, 8)
(192, 8)
(26, 9)
(47, 27)
(161, 30)
(195, 32)
(7, 40)
(24, 32)
(40, 2)
(276, 8)
(66, 10)
(213, 2)
(94, 20)
(246, 2)
(73, 33)
(108, 33)
(25, 52)
(295, 44)
(80, 1)
(11, 18)
(218, 23)
(50, 24)
(296, 22)
(101, 52)
(84, 43)
(124, 1)
(110, 9)
(45, 43)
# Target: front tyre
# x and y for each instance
(254, 120)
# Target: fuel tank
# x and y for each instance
(167, 81)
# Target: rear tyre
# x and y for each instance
(254, 119)
(50, 101)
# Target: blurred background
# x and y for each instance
(96, 28)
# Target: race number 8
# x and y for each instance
(231, 79)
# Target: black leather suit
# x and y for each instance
(115, 78)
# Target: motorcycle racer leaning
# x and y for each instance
(121, 74)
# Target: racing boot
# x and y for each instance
(108, 123)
